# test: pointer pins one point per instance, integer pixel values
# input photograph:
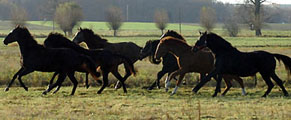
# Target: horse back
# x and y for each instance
(127, 49)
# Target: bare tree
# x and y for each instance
(231, 27)
(48, 10)
(67, 16)
(161, 19)
(207, 18)
(18, 15)
(114, 18)
(258, 19)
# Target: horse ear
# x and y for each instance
(79, 28)
(200, 32)
(205, 32)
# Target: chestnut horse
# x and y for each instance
(201, 62)
(94, 41)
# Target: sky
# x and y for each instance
(267, 2)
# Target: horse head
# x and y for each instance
(149, 50)
(16, 34)
(201, 42)
(161, 51)
(79, 36)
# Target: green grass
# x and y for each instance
(142, 104)
(42, 28)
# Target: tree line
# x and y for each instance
(205, 12)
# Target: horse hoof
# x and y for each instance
(214, 95)
(172, 94)
(6, 89)
(87, 86)
(25, 88)
(166, 90)
(99, 92)
(44, 93)
(286, 95)
(150, 88)
(99, 82)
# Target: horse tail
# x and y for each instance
(128, 64)
(286, 60)
(91, 65)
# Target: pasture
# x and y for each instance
(139, 103)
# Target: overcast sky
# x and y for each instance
(267, 2)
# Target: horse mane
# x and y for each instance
(222, 42)
(27, 36)
(91, 32)
(55, 39)
(176, 33)
(174, 40)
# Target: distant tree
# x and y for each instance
(68, 15)
(257, 13)
(161, 19)
(231, 26)
(48, 10)
(207, 18)
(18, 15)
(114, 18)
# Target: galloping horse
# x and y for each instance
(36, 57)
(94, 41)
(202, 62)
(103, 58)
(229, 60)
(169, 61)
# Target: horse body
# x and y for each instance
(103, 58)
(229, 60)
(94, 41)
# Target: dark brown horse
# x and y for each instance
(230, 60)
(201, 62)
(103, 58)
(35, 57)
(94, 41)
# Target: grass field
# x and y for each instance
(139, 103)
(143, 104)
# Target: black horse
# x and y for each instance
(36, 57)
(229, 60)
(103, 58)
(169, 61)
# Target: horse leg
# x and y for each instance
(52, 80)
(219, 78)
(59, 81)
(204, 81)
(87, 79)
(24, 72)
(178, 82)
(14, 77)
(105, 81)
(167, 82)
(279, 82)
(268, 81)
(227, 81)
(241, 83)
(118, 76)
(74, 81)
(157, 82)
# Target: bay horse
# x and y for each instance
(35, 57)
(94, 41)
(201, 62)
(169, 61)
(230, 60)
(103, 58)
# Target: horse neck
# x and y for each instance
(179, 49)
(93, 42)
(28, 44)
